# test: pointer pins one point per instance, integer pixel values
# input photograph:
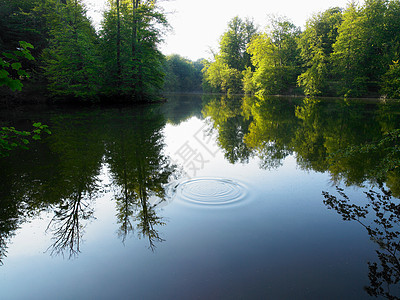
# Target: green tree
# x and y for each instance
(366, 46)
(224, 74)
(71, 62)
(11, 70)
(182, 74)
(316, 45)
(234, 41)
(130, 34)
(22, 20)
(391, 81)
(275, 56)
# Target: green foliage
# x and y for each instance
(182, 75)
(19, 21)
(224, 74)
(74, 61)
(10, 138)
(11, 71)
(316, 45)
(365, 46)
(275, 56)
(131, 31)
(222, 78)
(234, 41)
(249, 85)
(391, 81)
(71, 63)
(350, 53)
(346, 52)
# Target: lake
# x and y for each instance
(204, 197)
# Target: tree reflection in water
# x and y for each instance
(354, 142)
(66, 224)
(384, 230)
(232, 124)
(139, 172)
(78, 145)
(62, 176)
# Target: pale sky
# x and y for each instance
(198, 25)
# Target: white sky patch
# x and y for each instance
(198, 25)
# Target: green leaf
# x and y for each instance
(4, 74)
(3, 63)
(15, 85)
(16, 66)
(9, 55)
(22, 73)
(26, 45)
(36, 137)
(28, 55)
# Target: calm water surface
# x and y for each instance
(203, 197)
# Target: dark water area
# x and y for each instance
(204, 197)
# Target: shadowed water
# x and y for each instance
(204, 197)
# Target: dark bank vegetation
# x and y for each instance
(74, 61)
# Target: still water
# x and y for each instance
(204, 197)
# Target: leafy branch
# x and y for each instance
(11, 71)
(10, 138)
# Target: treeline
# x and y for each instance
(350, 52)
(73, 60)
(182, 74)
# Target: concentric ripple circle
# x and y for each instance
(211, 191)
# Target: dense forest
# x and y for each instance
(73, 59)
(350, 52)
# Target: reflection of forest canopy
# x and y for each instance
(354, 141)
(61, 175)
(139, 172)
(232, 124)
(182, 107)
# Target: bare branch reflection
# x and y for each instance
(66, 225)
